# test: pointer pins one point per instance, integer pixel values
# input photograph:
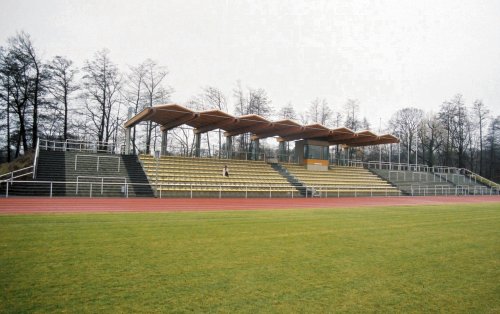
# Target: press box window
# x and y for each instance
(315, 152)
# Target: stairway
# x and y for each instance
(429, 183)
(303, 190)
(57, 172)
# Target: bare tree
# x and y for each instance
(431, 137)
(256, 102)
(259, 103)
(405, 123)
(287, 112)
(337, 118)
(22, 46)
(241, 108)
(493, 143)
(454, 118)
(101, 82)
(134, 94)
(15, 72)
(62, 85)
(5, 95)
(320, 112)
(351, 109)
(155, 92)
(215, 99)
(462, 132)
(481, 114)
(23, 80)
(365, 124)
(210, 98)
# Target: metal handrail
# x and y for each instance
(82, 145)
(10, 176)
(101, 179)
(98, 160)
(481, 179)
(311, 191)
(35, 160)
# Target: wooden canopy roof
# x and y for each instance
(173, 115)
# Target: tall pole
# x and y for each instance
(128, 130)
(379, 146)
(408, 149)
(416, 147)
(390, 156)
(399, 149)
(380, 156)
(399, 152)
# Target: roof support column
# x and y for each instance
(229, 147)
(164, 138)
(128, 131)
(281, 151)
(255, 149)
(380, 156)
(197, 149)
(127, 141)
(349, 150)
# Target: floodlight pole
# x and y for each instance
(390, 156)
(416, 147)
(408, 155)
(380, 156)
(399, 150)
(380, 146)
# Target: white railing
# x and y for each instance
(98, 160)
(101, 179)
(35, 160)
(478, 178)
(447, 190)
(98, 184)
(183, 151)
(400, 166)
(452, 174)
(16, 174)
(77, 145)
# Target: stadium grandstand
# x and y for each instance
(95, 169)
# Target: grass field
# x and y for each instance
(399, 259)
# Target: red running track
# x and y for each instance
(71, 205)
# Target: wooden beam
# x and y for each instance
(141, 116)
(244, 129)
(180, 121)
(274, 133)
(376, 142)
(356, 140)
(311, 134)
(216, 125)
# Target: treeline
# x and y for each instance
(458, 135)
(55, 99)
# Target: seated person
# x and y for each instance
(225, 171)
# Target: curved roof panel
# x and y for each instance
(170, 116)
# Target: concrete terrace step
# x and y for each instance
(117, 169)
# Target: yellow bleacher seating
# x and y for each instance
(182, 176)
(342, 181)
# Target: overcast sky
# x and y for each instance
(386, 54)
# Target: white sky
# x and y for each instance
(386, 54)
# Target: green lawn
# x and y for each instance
(399, 259)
